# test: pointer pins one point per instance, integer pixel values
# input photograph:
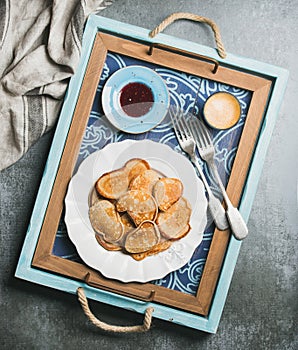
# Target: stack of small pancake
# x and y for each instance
(137, 210)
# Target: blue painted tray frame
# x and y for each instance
(24, 268)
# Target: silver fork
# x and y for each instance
(207, 152)
(188, 145)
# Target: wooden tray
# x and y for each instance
(48, 259)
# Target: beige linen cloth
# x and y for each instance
(40, 46)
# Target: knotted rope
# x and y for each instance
(111, 328)
(189, 16)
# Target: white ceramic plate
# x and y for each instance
(117, 265)
(111, 99)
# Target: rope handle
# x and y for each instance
(190, 16)
(111, 328)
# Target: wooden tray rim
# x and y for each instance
(43, 257)
(24, 269)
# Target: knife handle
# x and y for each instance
(215, 206)
(237, 224)
(218, 212)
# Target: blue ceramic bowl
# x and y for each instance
(135, 122)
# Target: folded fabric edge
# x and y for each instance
(29, 116)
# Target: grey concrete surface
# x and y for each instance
(261, 308)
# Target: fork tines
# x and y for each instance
(200, 133)
(180, 125)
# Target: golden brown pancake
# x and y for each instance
(106, 220)
(112, 184)
(106, 245)
(145, 181)
(159, 247)
(167, 191)
(135, 167)
(143, 238)
(174, 223)
(138, 204)
(115, 183)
